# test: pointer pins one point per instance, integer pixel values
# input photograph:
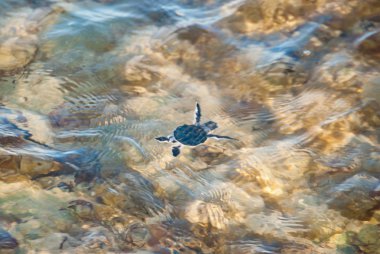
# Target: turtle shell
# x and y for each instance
(190, 135)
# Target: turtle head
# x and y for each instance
(209, 126)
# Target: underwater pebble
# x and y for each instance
(82, 208)
(367, 239)
(137, 235)
(16, 53)
(353, 196)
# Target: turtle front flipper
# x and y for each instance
(168, 139)
(220, 137)
(176, 150)
(197, 114)
(164, 139)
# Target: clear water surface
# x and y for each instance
(86, 86)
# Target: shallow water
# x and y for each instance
(86, 86)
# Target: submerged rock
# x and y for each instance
(33, 166)
(292, 72)
(265, 16)
(13, 168)
(19, 36)
(82, 208)
(356, 197)
(137, 235)
(368, 44)
(367, 239)
(201, 53)
(16, 53)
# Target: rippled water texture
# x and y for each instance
(86, 86)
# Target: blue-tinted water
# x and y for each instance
(87, 86)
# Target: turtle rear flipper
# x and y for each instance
(176, 150)
(197, 114)
(166, 139)
(220, 137)
(162, 139)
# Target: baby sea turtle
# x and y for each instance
(192, 135)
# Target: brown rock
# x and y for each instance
(16, 53)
